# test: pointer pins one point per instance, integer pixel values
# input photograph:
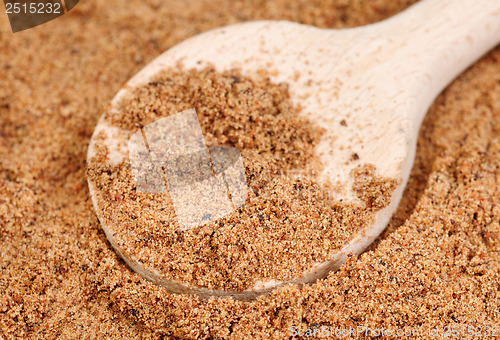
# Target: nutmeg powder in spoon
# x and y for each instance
(289, 221)
(436, 266)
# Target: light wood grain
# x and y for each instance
(380, 79)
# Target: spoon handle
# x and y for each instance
(444, 37)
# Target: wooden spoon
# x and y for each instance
(378, 80)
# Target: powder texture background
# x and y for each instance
(437, 265)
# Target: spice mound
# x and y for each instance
(287, 222)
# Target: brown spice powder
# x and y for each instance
(437, 264)
(288, 223)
